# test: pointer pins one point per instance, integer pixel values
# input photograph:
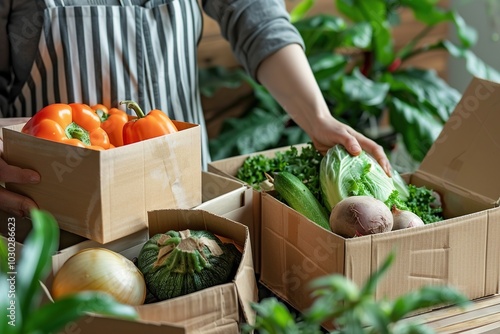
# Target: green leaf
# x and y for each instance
(348, 8)
(301, 9)
(36, 254)
(293, 135)
(384, 44)
(356, 87)
(72, 307)
(257, 131)
(274, 317)
(4, 268)
(466, 34)
(412, 328)
(346, 289)
(426, 85)
(474, 65)
(428, 12)
(375, 318)
(325, 33)
(321, 33)
(212, 79)
(375, 13)
(425, 297)
(369, 287)
(416, 122)
(264, 99)
(358, 35)
(327, 67)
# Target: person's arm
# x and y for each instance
(289, 78)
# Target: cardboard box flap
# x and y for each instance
(246, 285)
(462, 156)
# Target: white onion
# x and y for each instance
(100, 269)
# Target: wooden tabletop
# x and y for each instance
(483, 316)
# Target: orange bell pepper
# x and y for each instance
(156, 123)
(74, 124)
(112, 121)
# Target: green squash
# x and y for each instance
(181, 262)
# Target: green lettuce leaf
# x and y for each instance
(343, 175)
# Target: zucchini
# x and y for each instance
(300, 198)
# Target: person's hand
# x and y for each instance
(329, 132)
(10, 202)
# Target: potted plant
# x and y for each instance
(21, 292)
(363, 77)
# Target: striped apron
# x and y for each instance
(106, 51)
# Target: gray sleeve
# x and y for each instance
(254, 28)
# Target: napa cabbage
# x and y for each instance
(343, 175)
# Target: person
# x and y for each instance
(104, 51)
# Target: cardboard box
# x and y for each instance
(462, 251)
(105, 195)
(219, 309)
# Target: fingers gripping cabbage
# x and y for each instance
(343, 175)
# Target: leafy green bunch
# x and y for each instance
(303, 163)
(348, 309)
(21, 291)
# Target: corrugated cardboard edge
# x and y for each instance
(493, 252)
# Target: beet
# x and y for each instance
(360, 215)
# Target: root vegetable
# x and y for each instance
(437, 203)
(360, 215)
(405, 219)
